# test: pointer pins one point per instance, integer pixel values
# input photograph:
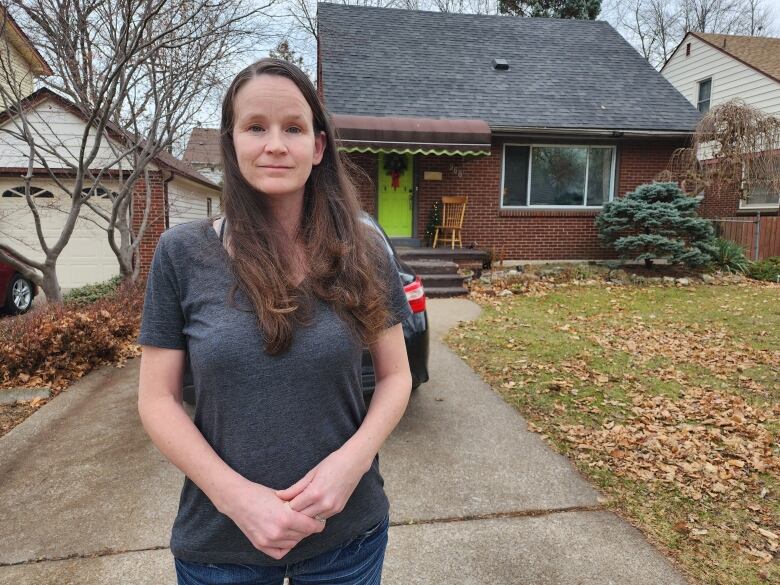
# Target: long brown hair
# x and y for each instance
(342, 257)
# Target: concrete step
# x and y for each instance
(441, 280)
(445, 292)
(433, 266)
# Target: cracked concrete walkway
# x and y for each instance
(85, 499)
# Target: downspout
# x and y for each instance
(167, 178)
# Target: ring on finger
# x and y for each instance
(320, 518)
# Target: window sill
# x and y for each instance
(749, 208)
(548, 212)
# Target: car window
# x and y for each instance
(369, 221)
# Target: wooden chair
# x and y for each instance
(453, 209)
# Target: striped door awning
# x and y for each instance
(411, 135)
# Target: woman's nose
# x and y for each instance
(275, 142)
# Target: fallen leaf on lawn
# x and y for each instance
(760, 554)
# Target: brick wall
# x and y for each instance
(641, 161)
(523, 234)
(720, 201)
(364, 177)
(156, 222)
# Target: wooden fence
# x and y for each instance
(759, 236)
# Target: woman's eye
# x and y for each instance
(297, 130)
(255, 128)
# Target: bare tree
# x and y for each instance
(758, 19)
(735, 146)
(656, 27)
(304, 12)
(139, 72)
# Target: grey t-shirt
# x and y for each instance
(271, 418)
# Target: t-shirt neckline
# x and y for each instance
(214, 237)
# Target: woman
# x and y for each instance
(273, 303)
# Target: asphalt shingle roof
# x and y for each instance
(203, 147)
(763, 53)
(574, 74)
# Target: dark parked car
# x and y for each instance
(16, 292)
(415, 329)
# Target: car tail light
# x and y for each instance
(415, 294)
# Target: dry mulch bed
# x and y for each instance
(15, 413)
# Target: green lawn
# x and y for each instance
(667, 397)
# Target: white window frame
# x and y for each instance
(531, 146)
(755, 206)
(698, 92)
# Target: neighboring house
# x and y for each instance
(20, 61)
(711, 69)
(203, 153)
(538, 121)
(179, 194)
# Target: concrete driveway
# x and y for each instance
(86, 499)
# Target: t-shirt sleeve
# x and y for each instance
(398, 304)
(162, 323)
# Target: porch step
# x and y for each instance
(423, 266)
(440, 278)
(445, 292)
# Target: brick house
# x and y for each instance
(538, 121)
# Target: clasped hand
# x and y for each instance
(276, 521)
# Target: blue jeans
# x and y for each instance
(358, 562)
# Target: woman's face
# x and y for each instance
(274, 137)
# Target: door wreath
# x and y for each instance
(395, 165)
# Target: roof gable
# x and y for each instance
(22, 43)
(760, 53)
(163, 159)
(571, 74)
(203, 147)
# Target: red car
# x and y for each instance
(16, 292)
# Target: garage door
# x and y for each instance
(87, 258)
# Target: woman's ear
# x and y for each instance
(319, 147)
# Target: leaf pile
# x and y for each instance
(705, 442)
(684, 343)
(54, 345)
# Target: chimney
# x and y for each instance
(500, 64)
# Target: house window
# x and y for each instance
(99, 192)
(760, 189)
(705, 89)
(208, 206)
(687, 49)
(553, 175)
(36, 192)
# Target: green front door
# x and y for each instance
(395, 200)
